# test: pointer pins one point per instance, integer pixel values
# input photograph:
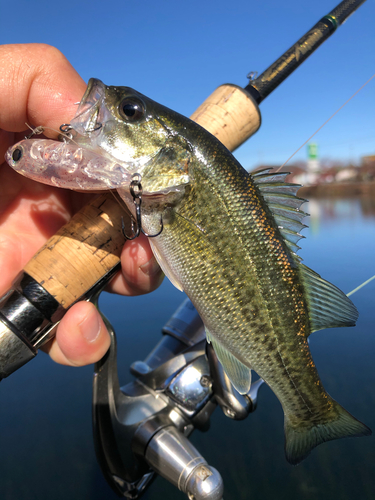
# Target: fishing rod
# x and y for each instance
(231, 113)
(144, 427)
(84, 255)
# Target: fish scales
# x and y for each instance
(259, 302)
(224, 245)
(228, 241)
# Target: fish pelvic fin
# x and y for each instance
(301, 439)
(165, 267)
(238, 373)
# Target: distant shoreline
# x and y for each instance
(339, 189)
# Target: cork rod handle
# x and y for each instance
(89, 245)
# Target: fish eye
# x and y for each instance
(17, 154)
(132, 109)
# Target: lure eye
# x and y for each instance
(17, 155)
(132, 109)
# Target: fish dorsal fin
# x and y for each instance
(281, 199)
(328, 306)
(238, 373)
(264, 176)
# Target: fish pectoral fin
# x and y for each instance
(165, 267)
(163, 185)
(238, 373)
(327, 305)
(300, 440)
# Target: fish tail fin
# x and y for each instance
(301, 439)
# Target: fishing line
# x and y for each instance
(360, 286)
(325, 123)
(330, 118)
(40, 129)
(120, 201)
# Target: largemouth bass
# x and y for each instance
(229, 240)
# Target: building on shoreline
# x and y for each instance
(329, 172)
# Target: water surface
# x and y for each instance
(45, 415)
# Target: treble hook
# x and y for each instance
(136, 192)
(65, 129)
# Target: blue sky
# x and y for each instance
(178, 52)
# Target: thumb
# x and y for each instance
(81, 337)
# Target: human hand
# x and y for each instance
(38, 86)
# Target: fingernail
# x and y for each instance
(90, 327)
(151, 267)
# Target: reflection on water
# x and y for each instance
(45, 421)
(339, 211)
(347, 210)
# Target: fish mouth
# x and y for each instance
(85, 121)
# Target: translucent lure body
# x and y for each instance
(66, 165)
(72, 166)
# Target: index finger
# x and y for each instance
(39, 86)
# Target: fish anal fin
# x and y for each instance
(238, 373)
(300, 440)
(327, 305)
